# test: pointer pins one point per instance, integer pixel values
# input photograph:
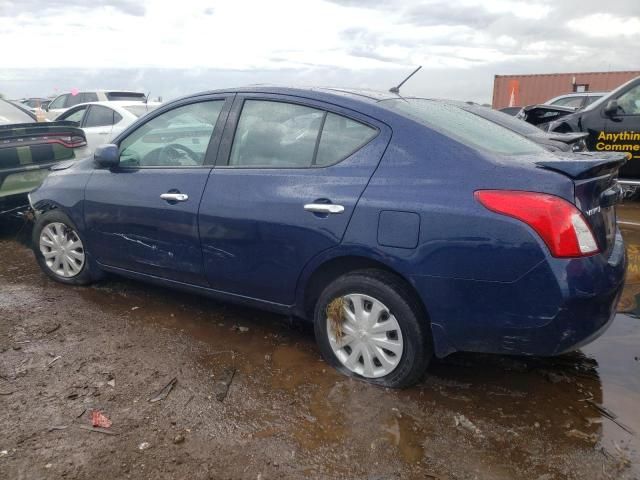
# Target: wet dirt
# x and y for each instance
(65, 351)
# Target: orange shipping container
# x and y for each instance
(521, 90)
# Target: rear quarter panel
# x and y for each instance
(461, 246)
(435, 177)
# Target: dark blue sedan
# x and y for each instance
(402, 227)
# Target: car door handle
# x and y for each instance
(323, 208)
(175, 197)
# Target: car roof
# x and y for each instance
(117, 103)
(577, 94)
(363, 100)
(582, 94)
(364, 95)
(99, 90)
(118, 106)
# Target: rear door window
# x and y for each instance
(74, 116)
(273, 134)
(87, 97)
(100, 116)
(73, 100)
(340, 138)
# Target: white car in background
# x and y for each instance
(65, 101)
(102, 121)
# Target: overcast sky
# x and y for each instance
(173, 48)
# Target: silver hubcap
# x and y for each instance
(370, 342)
(62, 249)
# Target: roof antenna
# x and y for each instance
(397, 88)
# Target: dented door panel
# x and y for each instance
(133, 228)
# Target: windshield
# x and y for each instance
(463, 126)
(10, 113)
(139, 110)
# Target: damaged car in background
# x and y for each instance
(28, 150)
(402, 228)
(609, 124)
(612, 124)
(543, 115)
(552, 141)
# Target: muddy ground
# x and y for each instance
(65, 352)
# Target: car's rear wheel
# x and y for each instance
(369, 326)
(60, 251)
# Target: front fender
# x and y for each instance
(62, 190)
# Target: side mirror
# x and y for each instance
(611, 108)
(107, 156)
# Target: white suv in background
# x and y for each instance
(65, 101)
(102, 121)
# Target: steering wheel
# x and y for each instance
(167, 154)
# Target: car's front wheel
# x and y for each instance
(369, 325)
(60, 250)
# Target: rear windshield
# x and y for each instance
(505, 120)
(463, 126)
(10, 113)
(139, 110)
(119, 96)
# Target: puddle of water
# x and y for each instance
(618, 356)
(407, 435)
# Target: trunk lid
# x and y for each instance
(28, 145)
(596, 189)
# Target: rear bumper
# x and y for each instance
(558, 306)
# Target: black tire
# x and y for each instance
(89, 272)
(402, 304)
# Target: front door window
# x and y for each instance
(177, 138)
(629, 102)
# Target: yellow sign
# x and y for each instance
(627, 142)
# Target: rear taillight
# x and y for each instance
(558, 222)
(69, 141)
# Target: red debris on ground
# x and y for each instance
(98, 419)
